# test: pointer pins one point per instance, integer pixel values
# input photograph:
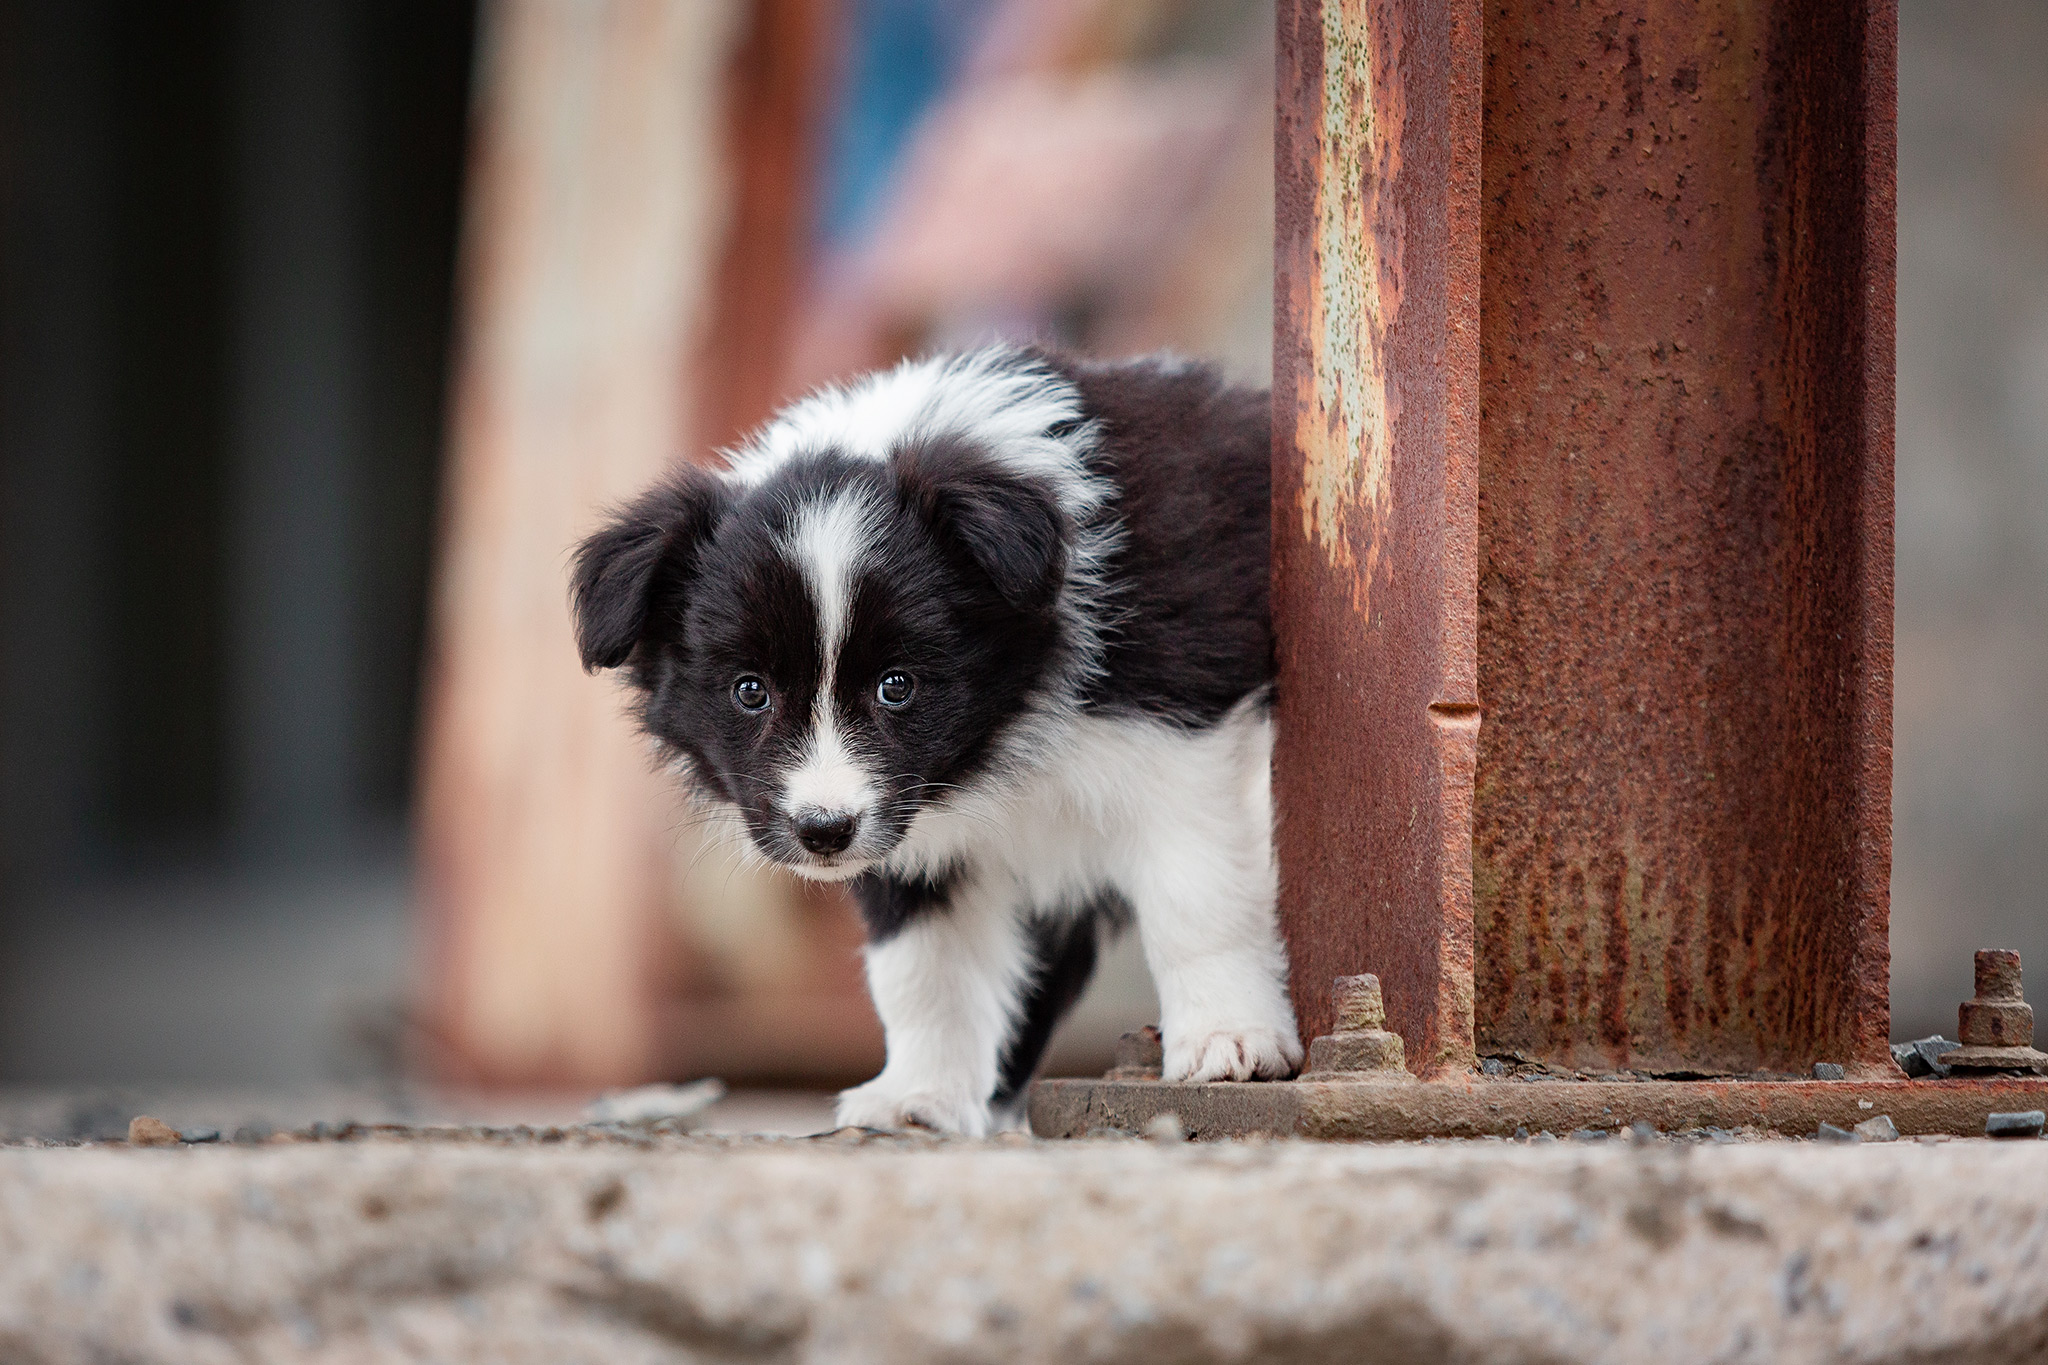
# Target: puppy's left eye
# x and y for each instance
(895, 688)
(751, 693)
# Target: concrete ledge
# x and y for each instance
(848, 1252)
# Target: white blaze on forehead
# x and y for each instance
(828, 542)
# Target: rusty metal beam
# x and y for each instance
(1582, 525)
(1375, 456)
(1682, 822)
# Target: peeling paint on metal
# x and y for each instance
(1343, 422)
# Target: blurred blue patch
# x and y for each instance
(903, 55)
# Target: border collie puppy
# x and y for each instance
(986, 635)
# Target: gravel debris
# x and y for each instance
(1166, 1128)
(145, 1131)
(648, 1104)
(1922, 1057)
(2021, 1125)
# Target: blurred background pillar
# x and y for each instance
(599, 192)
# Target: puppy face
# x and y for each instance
(835, 647)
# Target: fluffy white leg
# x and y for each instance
(948, 987)
(1204, 888)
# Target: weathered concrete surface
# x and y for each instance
(1075, 1252)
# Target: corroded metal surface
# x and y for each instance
(1375, 447)
(1359, 1111)
(1682, 820)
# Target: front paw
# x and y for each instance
(881, 1105)
(1247, 1053)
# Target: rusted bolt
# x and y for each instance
(1139, 1056)
(1997, 1026)
(2000, 1015)
(1359, 1003)
(1361, 1048)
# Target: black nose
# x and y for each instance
(825, 831)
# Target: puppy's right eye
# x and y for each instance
(750, 694)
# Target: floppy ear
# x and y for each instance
(649, 544)
(1009, 527)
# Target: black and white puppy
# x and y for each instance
(987, 634)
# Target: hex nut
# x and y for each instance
(1360, 1047)
(1997, 1025)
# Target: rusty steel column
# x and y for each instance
(1582, 525)
(1683, 818)
(1375, 457)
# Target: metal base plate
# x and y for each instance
(1383, 1111)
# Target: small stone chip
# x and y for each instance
(1829, 1133)
(1166, 1128)
(1879, 1129)
(1589, 1135)
(647, 1105)
(199, 1135)
(2024, 1125)
(1641, 1132)
(1827, 1071)
(144, 1131)
(1492, 1066)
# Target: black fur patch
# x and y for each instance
(1064, 951)
(1191, 460)
(649, 549)
(888, 903)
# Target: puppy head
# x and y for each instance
(835, 646)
